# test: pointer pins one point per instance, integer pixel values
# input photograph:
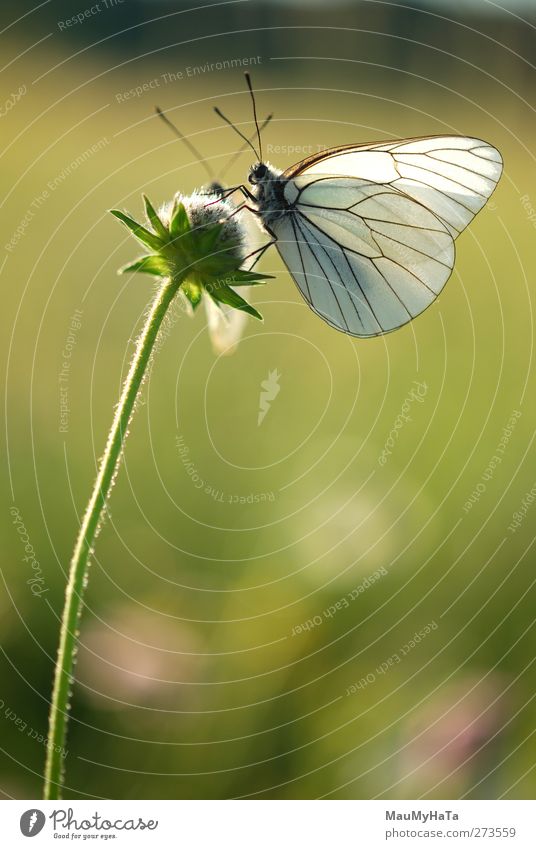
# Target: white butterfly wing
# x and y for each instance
(453, 176)
(367, 267)
(225, 325)
(373, 248)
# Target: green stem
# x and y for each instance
(63, 676)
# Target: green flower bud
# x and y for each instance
(197, 241)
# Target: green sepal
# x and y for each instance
(179, 222)
(216, 267)
(223, 294)
(208, 239)
(150, 264)
(142, 234)
(152, 216)
(249, 278)
(193, 291)
(210, 243)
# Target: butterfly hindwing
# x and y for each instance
(368, 268)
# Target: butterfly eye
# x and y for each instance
(261, 171)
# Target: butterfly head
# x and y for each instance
(258, 173)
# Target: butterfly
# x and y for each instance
(367, 231)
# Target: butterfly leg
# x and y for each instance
(259, 252)
(262, 250)
(242, 207)
(228, 192)
(247, 194)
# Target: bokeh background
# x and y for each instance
(197, 677)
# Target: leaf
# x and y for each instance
(180, 223)
(152, 215)
(225, 295)
(142, 234)
(151, 264)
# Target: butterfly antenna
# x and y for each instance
(238, 153)
(242, 136)
(193, 150)
(248, 80)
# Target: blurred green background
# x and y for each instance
(196, 677)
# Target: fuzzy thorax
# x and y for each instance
(269, 192)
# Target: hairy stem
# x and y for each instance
(63, 676)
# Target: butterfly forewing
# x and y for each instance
(453, 176)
